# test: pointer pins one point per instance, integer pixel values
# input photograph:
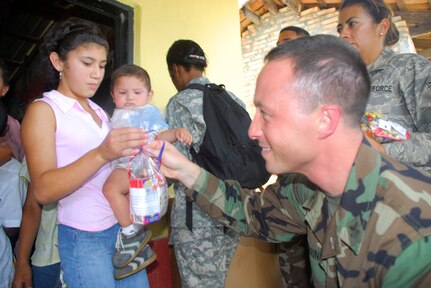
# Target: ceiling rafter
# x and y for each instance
(322, 3)
(401, 5)
(271, 6)
(295, 5)
(425, 53)
(249, 14)
(417, 15)
(422, 43)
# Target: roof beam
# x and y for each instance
(422, 43)
(295, 5)
(322, 3)
(426, 53)
(401, 5)
(282, 2)
(419, 23)
(270, 5)
(249, 14)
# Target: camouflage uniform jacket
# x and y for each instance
(381, 227)
(401, 92)
(185, 110)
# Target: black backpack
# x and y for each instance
(226, 150)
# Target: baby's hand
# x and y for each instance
(184, 136)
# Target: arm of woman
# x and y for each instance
(416, 89)
(50, 183)
(32, 212)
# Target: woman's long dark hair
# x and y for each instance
(64, 37)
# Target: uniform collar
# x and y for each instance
(355, 208)
(359, 197)
(199, 80)
(384, 57)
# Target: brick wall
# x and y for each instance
(259, 39)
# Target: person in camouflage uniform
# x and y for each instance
(366, 216)
(294, 265)
(400, 90)
(203, 253)
(400, 83)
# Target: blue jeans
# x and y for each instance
(46, 276)
(86, 259)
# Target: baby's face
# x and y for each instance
(129, 92)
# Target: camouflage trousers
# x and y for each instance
(205, 263)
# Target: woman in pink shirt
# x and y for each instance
(69, 144)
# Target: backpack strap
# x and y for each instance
(189, 214)
(189, 202)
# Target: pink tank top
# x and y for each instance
(76, 134)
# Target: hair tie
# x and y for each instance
(193, 56)
(74, 28)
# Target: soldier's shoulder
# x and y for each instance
(187, 96)
(404, 59)
(407, 192)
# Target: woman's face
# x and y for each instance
(83, 71)
(358, 28)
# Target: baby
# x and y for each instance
(131, 88)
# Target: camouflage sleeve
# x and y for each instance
(415, 84)
(267, 215)
(294, 262)
(412, 268)
(178, 115)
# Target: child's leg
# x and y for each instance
(116, 190)
(133, 238)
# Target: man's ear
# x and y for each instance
(330, 116)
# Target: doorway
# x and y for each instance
(25, 22)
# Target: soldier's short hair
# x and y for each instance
(298, 30)
(326, 70)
